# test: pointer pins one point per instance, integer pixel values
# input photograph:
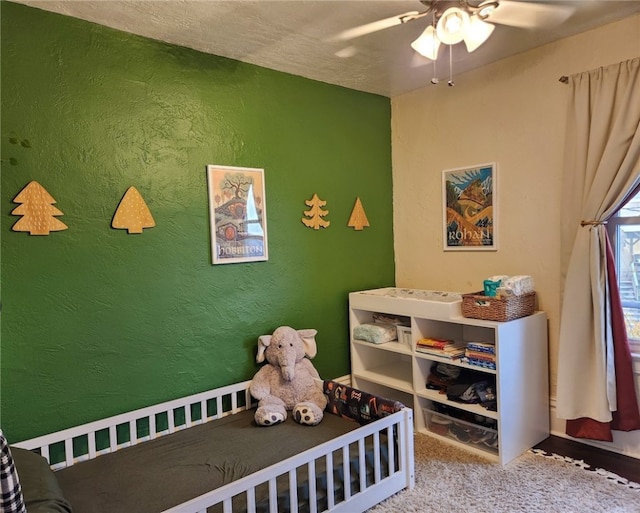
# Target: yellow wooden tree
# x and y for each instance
(315, 213)
(358, 219)
(132, 213)
(37, 211)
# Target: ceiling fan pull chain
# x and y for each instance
(435, 79)
(451, 84)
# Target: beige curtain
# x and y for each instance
(601, 168)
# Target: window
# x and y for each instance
(624, 232)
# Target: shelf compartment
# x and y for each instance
(387, 364)
(393, 375)
(385, 391)
(394, 346)
(457, 363)
(476, 409)
(454, 330)
(470, 435)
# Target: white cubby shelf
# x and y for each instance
(397, 371)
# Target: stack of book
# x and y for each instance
(482, 354)
(442, 347)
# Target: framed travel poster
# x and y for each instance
(238, 212)
(469, 208)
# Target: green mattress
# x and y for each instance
(159, 474)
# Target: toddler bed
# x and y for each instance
(204, 453)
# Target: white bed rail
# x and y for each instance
(90, 440)
(398, 474)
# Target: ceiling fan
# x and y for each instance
(452, 22)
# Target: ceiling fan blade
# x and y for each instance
(530, 15)
(375, 26)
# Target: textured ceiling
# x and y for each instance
(294, 36)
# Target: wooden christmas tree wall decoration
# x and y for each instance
(37, 211)
(315, 213)
(358, 219)
(132, 213)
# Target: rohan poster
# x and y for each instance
(469, 219)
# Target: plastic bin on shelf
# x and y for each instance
(468, 433)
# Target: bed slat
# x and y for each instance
(152, 426)
(330, 486)
(346, 472)
(376, 458)
(391, 449)
(273, 495)
(362, 465)
(218, 409)
(68, 451)
(188, 415)
(113, 439)
(91, 445)
(133, 433)
(293, 491)
(203, 411)
(313, 492)
(251, 500)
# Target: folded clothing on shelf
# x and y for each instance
(463, 385)
(376, 333)
(477, 392)
(441, 376)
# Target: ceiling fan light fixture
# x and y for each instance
(452, 26)
(427, 44)
(486, 9)
(477, 33)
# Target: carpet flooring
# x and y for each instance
(450, 480)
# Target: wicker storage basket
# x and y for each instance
(478, 306)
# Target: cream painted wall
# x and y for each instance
(513, 113)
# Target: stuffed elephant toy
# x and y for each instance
(287, 381)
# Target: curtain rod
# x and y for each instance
(565, 79)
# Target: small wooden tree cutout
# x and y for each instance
(315, 213)
(132, 213)
(37, 211)
(358, 219)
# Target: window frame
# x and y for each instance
(613, 225)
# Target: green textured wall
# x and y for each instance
(96, 321)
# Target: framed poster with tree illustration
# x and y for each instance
(469, 208)
(237, 208)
